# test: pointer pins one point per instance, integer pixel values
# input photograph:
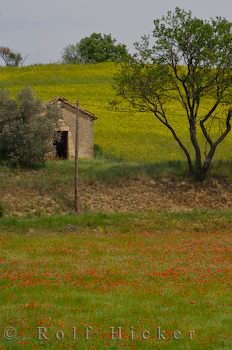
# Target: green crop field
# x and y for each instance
(127, 135)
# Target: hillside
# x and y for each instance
(120, 135)
(107, 187)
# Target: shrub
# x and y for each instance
(26, 129)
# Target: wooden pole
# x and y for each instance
(76, 178)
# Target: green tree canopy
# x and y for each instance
(94, 49)
(189, 65)
(26, 129)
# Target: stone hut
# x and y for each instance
(65, 145)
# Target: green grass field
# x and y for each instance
(124, 135)
(168, 270)
(143, 270)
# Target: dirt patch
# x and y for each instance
(135, 195)
(158, 193)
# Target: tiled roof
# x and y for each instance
(65, 101)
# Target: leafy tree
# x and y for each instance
(71, 54)
(94, 49)
(189, 65)
(26, 129)
(9, 57)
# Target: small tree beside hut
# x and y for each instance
(26, 129)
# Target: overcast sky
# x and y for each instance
(42, 28)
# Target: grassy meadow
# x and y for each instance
(125, 134)
(148, 269)
(168, 270)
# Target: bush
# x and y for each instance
(26, 129)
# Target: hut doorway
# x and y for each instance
(61, 144)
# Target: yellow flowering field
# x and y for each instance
(124, 134)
